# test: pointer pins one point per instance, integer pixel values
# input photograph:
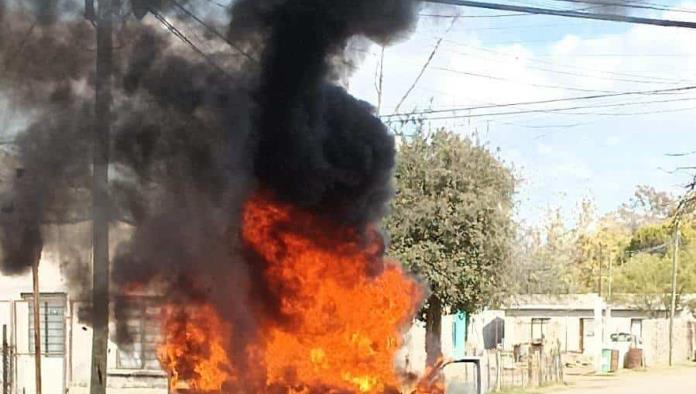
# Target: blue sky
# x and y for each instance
(601, 152)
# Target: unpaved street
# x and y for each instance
(678, 380)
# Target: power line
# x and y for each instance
(564, 72)
(556, 110)
(680, 154)
(185, 39)
(538, 85)
(214, 31)
(634, 76)
(425, 65)
(637, 113)
(549, 101)
(639, 78)
(473, 16)
(570, 13)
(641, 6)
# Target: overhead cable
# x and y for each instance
(557, 100)
(570, 13)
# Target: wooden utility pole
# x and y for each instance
(100, 183)
(36, 305)
(673, 305)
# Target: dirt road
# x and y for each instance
(677, 380)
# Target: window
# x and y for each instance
(52, 323)
(142, 327)
(539, 327)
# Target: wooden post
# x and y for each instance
(498, 371)
(673, 305)
(100, 216)
(36, 305)
(529, 366)
(5, 362)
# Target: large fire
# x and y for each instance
(342, 310)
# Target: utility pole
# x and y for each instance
(36, 305)
(673, 305)
(100, 183)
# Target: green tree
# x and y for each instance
(646, 273)
(451, 223)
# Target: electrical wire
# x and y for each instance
(570, 13)
(560, 110)
(630, 5)
(549, 101)
(185, 39)
(425, 66)
(631, 77)
(214, 31)
(537, 85)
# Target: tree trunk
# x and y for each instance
(433, 330)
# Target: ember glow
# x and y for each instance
(342, 310)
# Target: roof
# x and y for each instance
(552, 301)
(587, 301)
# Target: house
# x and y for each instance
(66, 356)
(66, 341)
(583, 324)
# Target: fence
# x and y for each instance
(508, 370)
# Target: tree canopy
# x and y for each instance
(451, 219)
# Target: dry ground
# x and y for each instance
(676, 380)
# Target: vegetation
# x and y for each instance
(626, 252)
(451, 223)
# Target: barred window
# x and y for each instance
(143, 330)
(51, 324)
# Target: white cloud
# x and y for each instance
(637, 58)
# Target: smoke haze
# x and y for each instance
(191, 141)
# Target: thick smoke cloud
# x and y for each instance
(190, 142)
(318, 146)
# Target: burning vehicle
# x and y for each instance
(253, 182)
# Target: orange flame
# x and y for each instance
(342, 309)
(194, 346)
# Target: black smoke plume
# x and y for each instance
(192, 136)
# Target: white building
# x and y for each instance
(66, 342)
